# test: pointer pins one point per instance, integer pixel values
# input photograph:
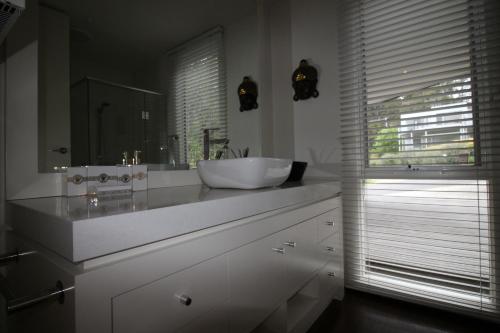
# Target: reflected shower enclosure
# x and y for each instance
(108, 119)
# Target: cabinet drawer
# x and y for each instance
(174, 301)
(329, 223)
(301, 253)
(329, 249)
(257, 282)
(213, 322)
(29, 275)
(332, 279)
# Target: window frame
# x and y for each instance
(423, 171)
(438, 168)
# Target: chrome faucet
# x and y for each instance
(207, 142)
(135, 160)
(137, 157)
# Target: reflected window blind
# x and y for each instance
(197, 94)
(420, 95)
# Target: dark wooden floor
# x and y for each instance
(366, 313)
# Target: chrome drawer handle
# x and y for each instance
(184, 300)
(330, 249)
(331, 274)
(330, 223)
(279, 250)
(58, 293)
(290, 243)
(15, 256)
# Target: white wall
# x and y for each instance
(281, 71)
(241, 44)
(81, 68)
(2, 138)
(305, 130)
(149, 78)
(265, 75)
(21, 107)
(53, 85)
(275, 68)
(268, 47)
(2, 154)
(317, 120)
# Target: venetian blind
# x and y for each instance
(420, 129)
(197, 94)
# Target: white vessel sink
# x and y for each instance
(244, 173)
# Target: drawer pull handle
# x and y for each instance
(279, 250)
(290, 243)
(330, 223)
(15, 256)
(330, 249)
(57, 293)
(331, 274)
(185, 300)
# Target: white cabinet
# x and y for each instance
(30, 276)
(329, 223)
(329, 249)
(264, 274)
(175, 301)
(268, 262)
(257, 275)
(212, 322)
(301, 253)
(332, 279)
(331, 253)
(279, 269)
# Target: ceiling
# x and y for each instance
(133, 33)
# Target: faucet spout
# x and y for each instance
(207, 141)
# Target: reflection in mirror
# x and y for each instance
(109, 118)
(119, 81)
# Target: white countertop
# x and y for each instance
(81, 228)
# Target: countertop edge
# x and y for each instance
(86, 239)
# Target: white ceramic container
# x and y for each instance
(244, 173)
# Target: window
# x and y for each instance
(430, 126)
(420, 109)
(429, 234)
(197, 94)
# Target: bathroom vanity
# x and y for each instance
(178, 259)
(181, 259)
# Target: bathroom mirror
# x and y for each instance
(153, 81)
